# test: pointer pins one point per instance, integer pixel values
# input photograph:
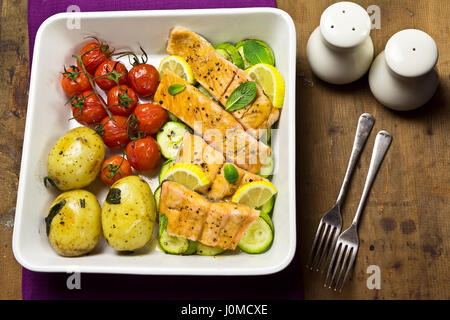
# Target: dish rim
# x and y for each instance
(24, 166)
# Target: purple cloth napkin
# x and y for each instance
(286, 284)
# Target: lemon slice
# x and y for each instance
(189, 175)
(254, 194)
(177, 65)
(270, 80)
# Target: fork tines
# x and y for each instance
(343, 258)
(325, 239)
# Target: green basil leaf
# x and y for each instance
(255, 53)
(176, 88)
(231, 173)
(241, 97)
(162, 223)
(52, 213)
(113, 196)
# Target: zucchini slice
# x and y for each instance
(232, 52)
(192, 248)
(267, 207)
(157, 195)
(169, 138)
(172, 117)
(173, 244)
(266, 169)
(166, 166)
(205, 92)
(204, 250)
(267, 219)
(224, 54)
(257, 238)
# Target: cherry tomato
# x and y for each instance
(94, 53)
(144, 79)
(151, 117)
(143, 154)
(87, 108)
(115, 168)
(108, 72)
(74, 81)
(122, 101)
(115, 131)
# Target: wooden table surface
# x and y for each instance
(406, 222)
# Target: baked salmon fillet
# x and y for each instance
(257, 116)
(192, 216)
(220, 77)
(217, 127)
(195, 150)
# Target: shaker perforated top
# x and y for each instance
(345, 24)
(411, 53)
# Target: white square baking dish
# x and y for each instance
(47, 120)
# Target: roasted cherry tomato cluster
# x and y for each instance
(122, 121)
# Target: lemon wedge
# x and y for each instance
(177, 65)
(270, 80)
(189, 175)
(254, 194)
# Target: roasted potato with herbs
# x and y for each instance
(128, 214)
(73, 223)
(75, 160)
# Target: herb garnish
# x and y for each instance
(162, 223)
(231, 173)
(176, 88)
(113, 196)
(52, 213)
(255, 53)
(83, 203)
(241, 97)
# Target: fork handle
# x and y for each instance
(380, 147)
(365, 125)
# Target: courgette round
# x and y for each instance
(266, 169)
(204, 250)
(173, 244)
(192, 248)
(169, 138)
(257, 238)
(157, 195)
(267, 207)
(233, 53)
(166, 166)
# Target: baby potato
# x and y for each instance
(128, 214)
(74, 223)
(75, 160)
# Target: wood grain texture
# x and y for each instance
(14, 73)
(405, 226)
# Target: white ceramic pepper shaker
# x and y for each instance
(403, 77)
(340, 50)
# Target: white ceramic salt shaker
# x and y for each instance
(403, 77)
(340, 50)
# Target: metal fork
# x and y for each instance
(331, 223)
(348, 242)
